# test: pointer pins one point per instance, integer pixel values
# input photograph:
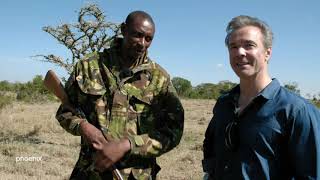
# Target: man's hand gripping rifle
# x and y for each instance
(54, 85)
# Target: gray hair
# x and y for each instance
(242, 21)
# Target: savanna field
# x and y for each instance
(34, 146)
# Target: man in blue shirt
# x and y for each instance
(259, 129)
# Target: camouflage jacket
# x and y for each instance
(139, 103)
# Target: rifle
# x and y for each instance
(54, 85)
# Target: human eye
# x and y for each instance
(140, 34)
(232, 46)
(136, 34)
(148, 39)
(249, 45)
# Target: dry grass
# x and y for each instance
(32, 131)
(184, 162)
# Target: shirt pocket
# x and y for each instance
(143, 112)
(264, 136)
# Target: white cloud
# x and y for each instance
(219, 65)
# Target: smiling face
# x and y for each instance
(248, 55)
(137, 37)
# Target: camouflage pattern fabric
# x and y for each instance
(139, 103)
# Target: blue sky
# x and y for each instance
(189, 39)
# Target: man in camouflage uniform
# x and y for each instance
(130, 110)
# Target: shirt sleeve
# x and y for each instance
(208, 145)
(67, 119)
(304, 144)
(168, 126)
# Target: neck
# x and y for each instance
(126, 61)
(250, 88)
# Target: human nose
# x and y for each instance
(241, 51)
(142, 42)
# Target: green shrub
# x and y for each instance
(6, 86)
(5, 100)
(316, 102)
(33, 91)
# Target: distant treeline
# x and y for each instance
(213, 91)
(31, 92)
(34, 91)
(201, 91)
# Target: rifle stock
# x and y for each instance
(54, 85)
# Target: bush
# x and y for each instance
(33, 91)
(183, 86)
(6, 86)
(292, 86)
(5, 100)
(316, 102)
(201, 91)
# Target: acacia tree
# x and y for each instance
(91, 33)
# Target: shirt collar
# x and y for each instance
(268, 92)
(271, 89)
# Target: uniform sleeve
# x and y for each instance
(69, 120)
(304, 144)
(168, 126)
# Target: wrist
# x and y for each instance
(81, 125)
(125, 144)
(77, 127)
(92, 135)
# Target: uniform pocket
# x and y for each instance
(143, 110)
(118, 115)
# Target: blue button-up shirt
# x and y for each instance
(277, 137)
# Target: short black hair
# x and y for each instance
(133, 15)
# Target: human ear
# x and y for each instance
(268, 54)
(123, 28)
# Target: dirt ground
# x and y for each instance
(34, 146)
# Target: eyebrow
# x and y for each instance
(249, 41)
(242, 42)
